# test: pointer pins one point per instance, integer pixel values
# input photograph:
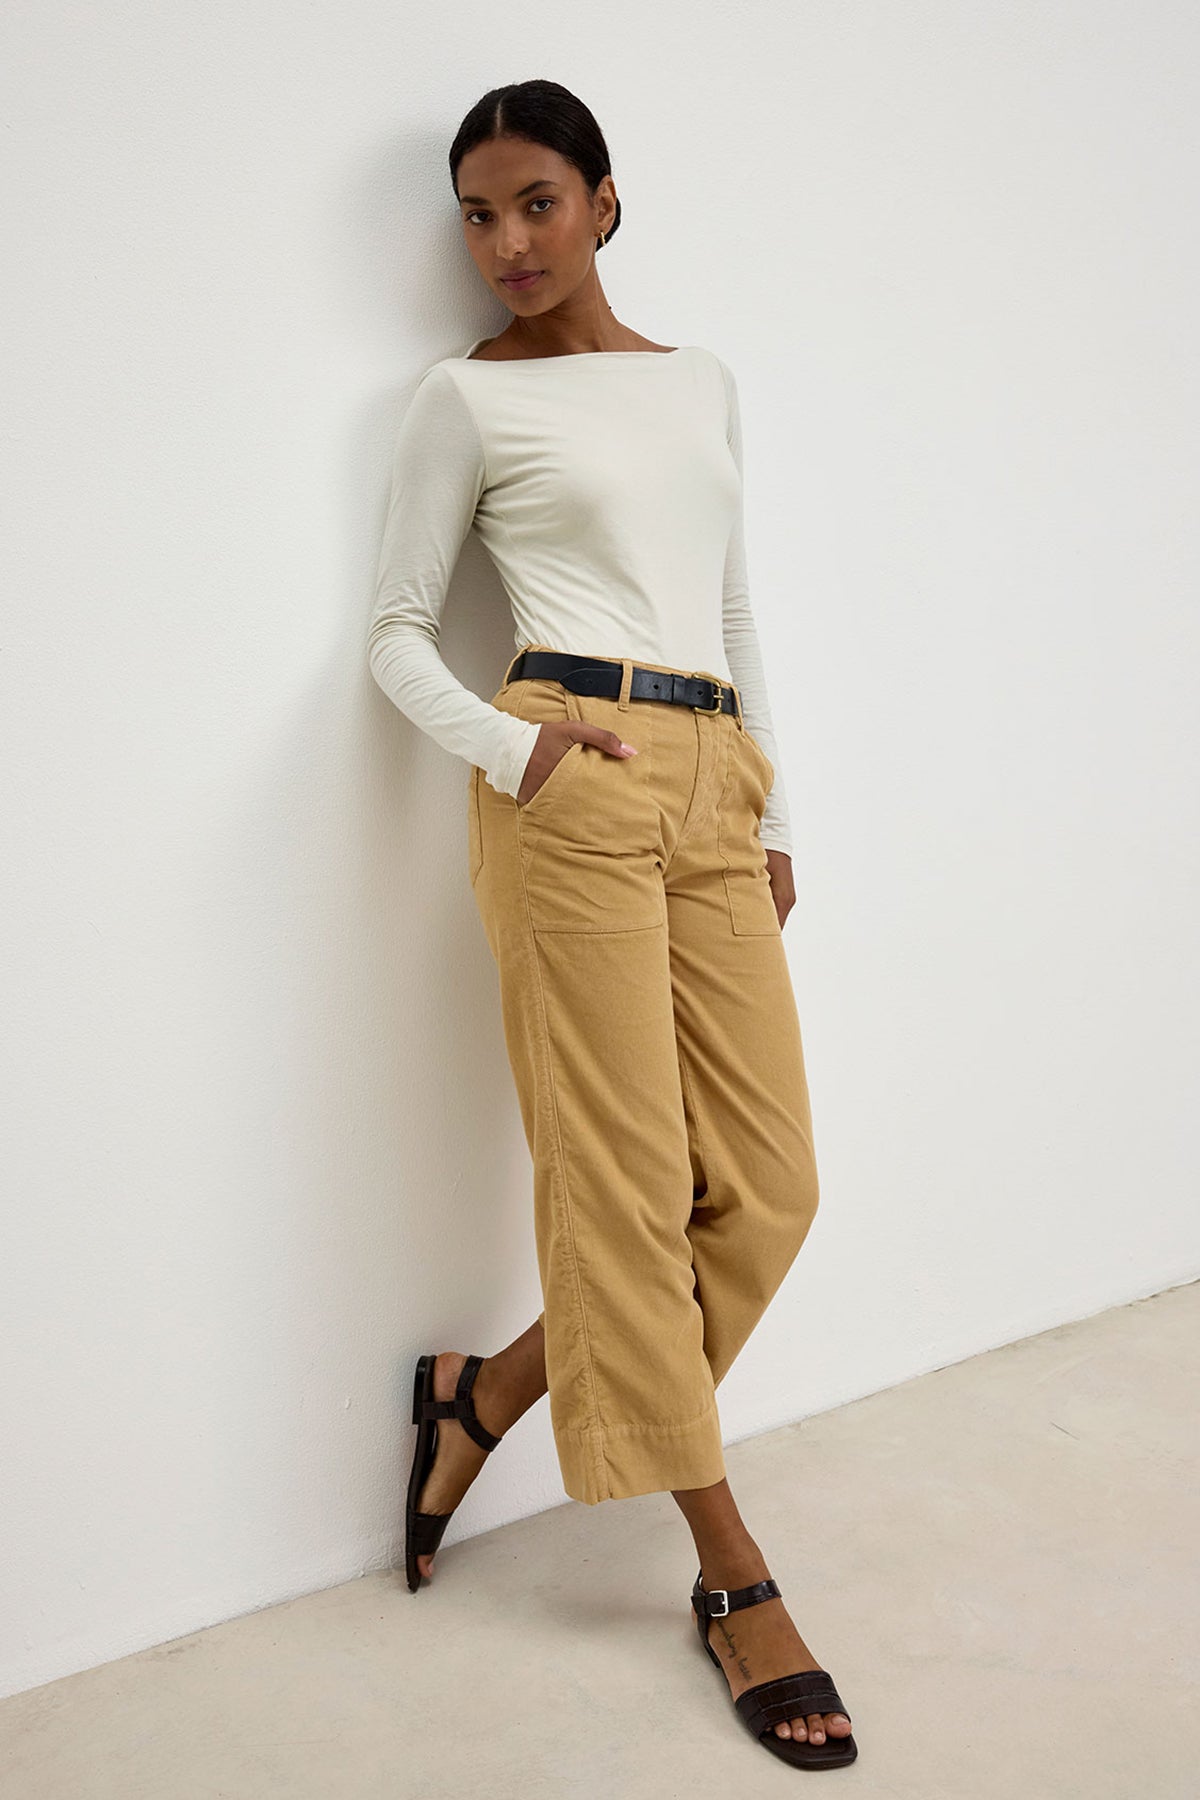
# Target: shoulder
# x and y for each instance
(439, 419)
(440, 388)
(439, 376)
(717, 364)
(724, 382)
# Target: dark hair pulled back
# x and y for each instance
(545, 113)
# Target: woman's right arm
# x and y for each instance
(438, 475)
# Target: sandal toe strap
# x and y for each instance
(789, 1697)
(427, 1532)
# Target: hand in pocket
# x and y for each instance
(554, 739)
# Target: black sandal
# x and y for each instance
(788, 1697)
(423, 1531)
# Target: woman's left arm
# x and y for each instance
(742, 650)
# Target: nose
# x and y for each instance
(510, 245)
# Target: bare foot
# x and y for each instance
(458, 1458)
(760, 1643)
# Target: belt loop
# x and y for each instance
(509, 670)
(626, 683)
(737, 700)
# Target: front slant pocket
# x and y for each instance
(767, 766)
(591, 855)
(474, 828)
(551, 785)
(746, 876)
(540, 701)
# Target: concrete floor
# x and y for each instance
(997, 1562)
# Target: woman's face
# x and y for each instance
(526, 210)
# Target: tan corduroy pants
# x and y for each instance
(652, 1030)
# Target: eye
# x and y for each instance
(542, 200)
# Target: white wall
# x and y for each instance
(262, 1145)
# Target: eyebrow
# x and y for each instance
(478, 199)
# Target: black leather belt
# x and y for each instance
(595, 675)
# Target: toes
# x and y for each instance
(814, 1727)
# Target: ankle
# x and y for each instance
(498, 1398)
(732, 1562)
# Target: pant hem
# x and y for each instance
(619, 1462)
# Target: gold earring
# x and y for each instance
(601, 237)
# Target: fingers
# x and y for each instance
(579, 731)
(611, 741)
(567, 732)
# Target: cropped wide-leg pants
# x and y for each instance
(652, 1031)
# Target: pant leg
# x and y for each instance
(740, 1053)
(744, 1083)
(615, 904)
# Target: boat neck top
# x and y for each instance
(608, 494)
(566, 355)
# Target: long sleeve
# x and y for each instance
(742, 650)
(438, 475)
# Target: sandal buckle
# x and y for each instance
(713, 1594)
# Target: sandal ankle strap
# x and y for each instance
(462, 1407)
(715, 1603)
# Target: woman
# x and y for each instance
(629, 855)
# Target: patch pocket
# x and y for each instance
(751, 902)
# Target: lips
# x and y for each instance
(523, 279)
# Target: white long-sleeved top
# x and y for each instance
(607, 489)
